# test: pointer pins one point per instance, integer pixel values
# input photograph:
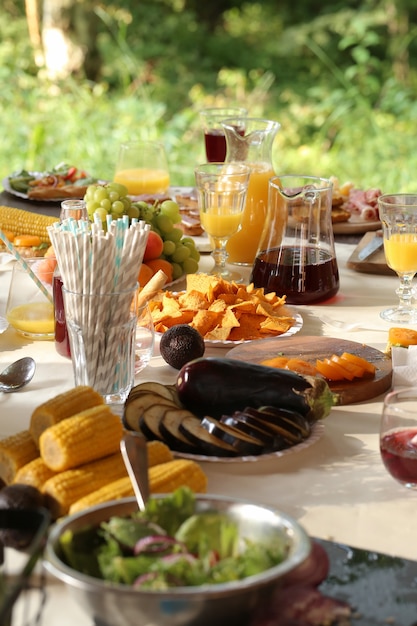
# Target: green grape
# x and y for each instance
(171, 209)
(120, 189)
(133, 212)
(113, 196)
(195, 254)
(91, 207)
(174, 235)
(177, 271)
(89, 194)
(169, 247)
(106, 204)
(126, 202)
(102, 214)
(100, 194)
(190, 266)
(180, 254)
(164, 223)
(188, 241)
(117, 207)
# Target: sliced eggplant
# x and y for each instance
(256, 429)
(243, 443)
(252, 420)
(166, 391)
(291, 419)
(136, 407)
(149, 421)
(169, 427)
(277, 426)
(206, 442)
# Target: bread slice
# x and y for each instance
(401, 338)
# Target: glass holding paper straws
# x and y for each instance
(99, 272)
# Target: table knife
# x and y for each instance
(375, 244)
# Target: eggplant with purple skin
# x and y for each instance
(215, 386)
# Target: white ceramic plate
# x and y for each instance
(20, 194)
(219, 343)
(316, 432)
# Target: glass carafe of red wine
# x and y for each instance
(250, 139)
(296, 254)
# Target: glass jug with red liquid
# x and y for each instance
(296, 255)
(250, 140)
(74, 209)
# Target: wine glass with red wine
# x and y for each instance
(398, 436)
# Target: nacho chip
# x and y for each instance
(223, 311)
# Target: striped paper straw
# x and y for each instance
(11, 248)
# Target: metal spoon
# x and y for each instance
(17, 375)
(135, 457)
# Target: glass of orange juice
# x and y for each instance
(29, 311)
(142, 167)
(398, 214)
(221, 191)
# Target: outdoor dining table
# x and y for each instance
(337, 487)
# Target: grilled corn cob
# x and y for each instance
(22, 222)
(163, 478)
(62, 406)
(85, 437)
(158, 452)
(34, 473)
(166, 477)
(65, 488)
(16, 451)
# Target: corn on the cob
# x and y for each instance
(65, 488)
(166, 477)
(121, 488)
(22, 222)
(158, 452)
(34, 473)
(62, 406)
(85, 437)
(16, 451)
(163, 478)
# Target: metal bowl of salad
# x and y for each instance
(195, 560)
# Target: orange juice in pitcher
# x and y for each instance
(250, 140)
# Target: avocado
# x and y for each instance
(24, 498)
(180, 344)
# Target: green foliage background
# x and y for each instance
(338, 76)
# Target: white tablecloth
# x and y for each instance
(337, 488)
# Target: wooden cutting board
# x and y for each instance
(312, 348)
(375, 264)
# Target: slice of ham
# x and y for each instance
(363, 204)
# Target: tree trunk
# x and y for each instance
(64, 40)
(398, 28)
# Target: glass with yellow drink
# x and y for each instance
(250, 140)
(398, 213)
(221, 191)
(29, 310)
(142, 167)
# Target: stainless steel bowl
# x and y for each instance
(220, 605)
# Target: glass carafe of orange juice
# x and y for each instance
(250, 139)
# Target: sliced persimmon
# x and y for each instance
(346, 373)
(329, 370)
(301, 367)
(277, 361)
(27, 241)
(355, 370)
(358, 360)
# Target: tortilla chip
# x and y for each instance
(205, 321)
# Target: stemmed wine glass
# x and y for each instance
(398, 436)
(221, 191)
(398, 213)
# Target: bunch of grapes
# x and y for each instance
(180, 251)
(109, 199)
(112, 199)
